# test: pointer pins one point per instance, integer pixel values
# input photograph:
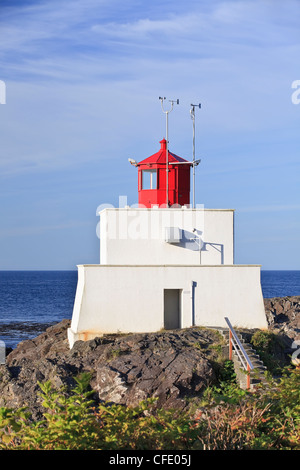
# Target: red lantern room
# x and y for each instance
(164, 182)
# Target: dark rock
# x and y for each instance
(283, 315)
(171, 366)
(174, 366)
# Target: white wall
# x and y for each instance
(123, 299)
(137, 236)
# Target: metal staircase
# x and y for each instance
(248, 366)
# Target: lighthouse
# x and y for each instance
(164, 179)
(165, 264)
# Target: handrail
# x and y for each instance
(235, 343)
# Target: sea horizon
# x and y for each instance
(31, 300)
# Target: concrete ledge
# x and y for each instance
(170, 266)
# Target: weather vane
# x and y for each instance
(192, 112)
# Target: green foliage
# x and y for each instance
(11, 425)
(71, 422)
(281, 426)
(226, 390)
(269, 347)
(144, 427)
(267, 419)
(68, 421)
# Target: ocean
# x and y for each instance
(32, 300)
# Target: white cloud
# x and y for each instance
(84, 72)
(82, 84)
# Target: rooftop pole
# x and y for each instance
(192, 112)
(167, 147)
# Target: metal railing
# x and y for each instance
(234, 343)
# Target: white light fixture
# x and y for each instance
(193, 163)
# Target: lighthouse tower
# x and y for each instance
(164, 264)
(164, 179)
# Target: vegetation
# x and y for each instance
(228, 418)
(270, 348)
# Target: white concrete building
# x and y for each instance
(165, 267)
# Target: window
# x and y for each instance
(149, 179)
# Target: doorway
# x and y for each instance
(172, 308)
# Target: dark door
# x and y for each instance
(172, 308)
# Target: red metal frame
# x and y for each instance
(178, 179)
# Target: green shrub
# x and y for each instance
(280, 428)
(267, 419)
(227, 389)
(270, 348)
(72, 422)
(68, 422)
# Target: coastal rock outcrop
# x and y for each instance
(173, 366)
(283, 316)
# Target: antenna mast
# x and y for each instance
(192, 112)
(167, 149)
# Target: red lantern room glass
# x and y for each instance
(152, 179)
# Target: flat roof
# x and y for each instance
(183, 208)
(170, 265)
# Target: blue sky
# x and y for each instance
(83, 80)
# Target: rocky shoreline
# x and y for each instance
(173, 366)
(283, 316)
(15, 332)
